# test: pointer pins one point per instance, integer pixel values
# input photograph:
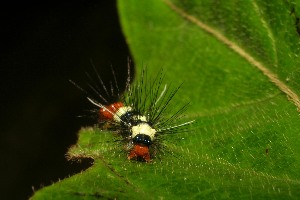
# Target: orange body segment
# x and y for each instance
(141, 151)
(108, 112)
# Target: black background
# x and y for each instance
(43, 45)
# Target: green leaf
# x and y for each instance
(239, 64)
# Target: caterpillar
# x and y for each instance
(142, 114)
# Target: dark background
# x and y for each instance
(43, 45)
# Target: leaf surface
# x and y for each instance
(239, 62)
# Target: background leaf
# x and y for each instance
(239, 64)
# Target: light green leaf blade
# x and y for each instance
(239, 64)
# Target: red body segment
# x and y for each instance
(108, 112)
(141, 151)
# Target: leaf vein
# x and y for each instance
(270, 34)
(291, 95)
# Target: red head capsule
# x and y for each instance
(141, 151)
(108, 112)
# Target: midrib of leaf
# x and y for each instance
(291, 95)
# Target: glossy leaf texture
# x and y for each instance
(239, 64)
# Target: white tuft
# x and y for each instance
(121, 111)
(143, 128)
